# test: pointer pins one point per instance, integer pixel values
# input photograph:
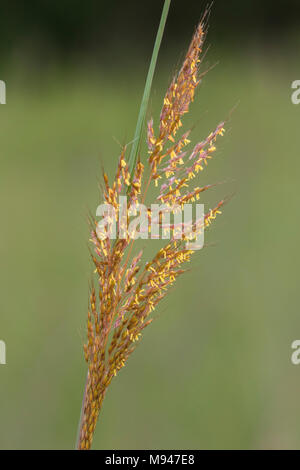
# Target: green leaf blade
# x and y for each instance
(147, 90)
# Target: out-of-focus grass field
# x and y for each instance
(214, 371)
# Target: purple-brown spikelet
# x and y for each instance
(127, 291)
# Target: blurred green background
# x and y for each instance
(215, 370)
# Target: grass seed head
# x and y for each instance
(126, 292)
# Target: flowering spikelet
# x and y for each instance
(126, 291)
(176, 103)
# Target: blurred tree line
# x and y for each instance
(68, 27)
